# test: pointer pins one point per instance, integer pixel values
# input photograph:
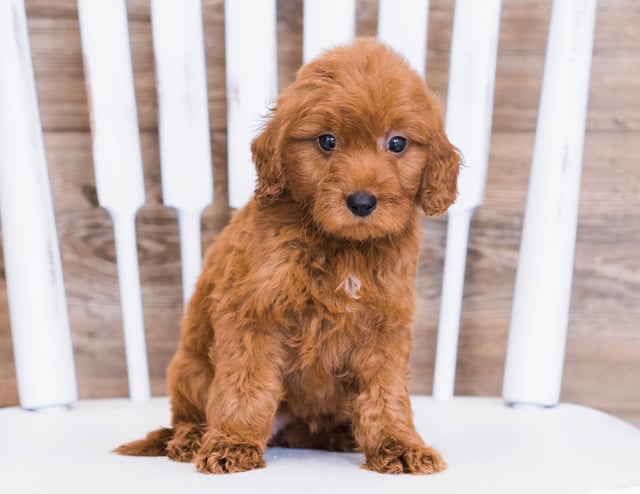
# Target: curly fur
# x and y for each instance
(302, 314)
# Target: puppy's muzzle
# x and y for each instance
(361, 203)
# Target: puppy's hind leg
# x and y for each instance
(188, 428)
(185, 442)
(189, 379)
(180, 442)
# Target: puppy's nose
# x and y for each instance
(361, 203)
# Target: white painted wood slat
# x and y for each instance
(326, 24)
(37, 303)
(117, 162)
(252, 85)
(402, 24)
(474, 48)
(540, 311)
(183, 117)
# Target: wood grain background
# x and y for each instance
(603, 353)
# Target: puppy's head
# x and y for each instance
(358, 141)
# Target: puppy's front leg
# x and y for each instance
(242, 400)
(383, 423)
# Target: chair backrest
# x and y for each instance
(39, 321)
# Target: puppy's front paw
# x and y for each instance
(222, 456)
(395, 457)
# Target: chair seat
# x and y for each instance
(489, 447)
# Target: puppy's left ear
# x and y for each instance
(266, 150)
(439, 186)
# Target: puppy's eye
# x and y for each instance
(327, 142)
(397, 144)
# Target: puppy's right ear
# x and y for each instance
(266, 150)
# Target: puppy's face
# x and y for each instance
(358, 141)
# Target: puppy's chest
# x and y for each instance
(344, 284)
(344, 300)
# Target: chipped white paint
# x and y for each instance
(351, 286)
(183, 118)
(402, 24)
(474, 48)
(326, 24)
(252, 85)
(117, 161)
(37, 303)
(540, 312)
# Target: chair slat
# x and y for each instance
(540, 312)
(327, 23)
(183, 118)
(474, 48)
(117, 162)
(252, 85)
(37, 302)
(403, 25)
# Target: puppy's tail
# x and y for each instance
(154, 444)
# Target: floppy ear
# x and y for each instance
(266, 150)
(439, 186)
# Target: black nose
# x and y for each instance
(361, 203)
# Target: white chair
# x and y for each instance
(522, 442)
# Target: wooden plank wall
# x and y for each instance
(603, 355)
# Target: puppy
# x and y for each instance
(302, 314)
